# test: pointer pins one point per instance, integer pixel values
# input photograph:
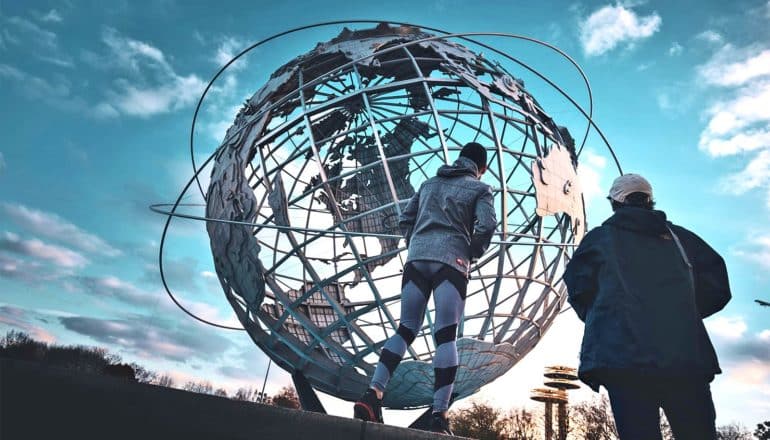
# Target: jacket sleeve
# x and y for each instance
(712, 286)
(484, 224)
(408, 216)
(581, 276)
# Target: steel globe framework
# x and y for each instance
(307, 186)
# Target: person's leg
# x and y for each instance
(415, 291)
(689, 408)
(635, 405)
(449, 297)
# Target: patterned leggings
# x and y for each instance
(419, 280)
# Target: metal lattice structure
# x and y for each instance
(309, 181)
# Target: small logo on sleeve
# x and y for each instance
(460, 261)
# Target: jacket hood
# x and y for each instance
(642, 220)
(461, 167)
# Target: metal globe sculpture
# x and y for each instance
(309, 181)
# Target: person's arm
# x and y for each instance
(408, 216)
(484, 225)
(712, 286)
(580, 276)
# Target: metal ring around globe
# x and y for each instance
(447, 34)
(524, 231)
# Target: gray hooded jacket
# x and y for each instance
(451, 218)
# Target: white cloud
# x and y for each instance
(710, 36)
(590, 171)
(753, 372)
(37, 34)
(41, 43)
(739, 120)
(147, 101)
(52, 16)
(57, 255)
(55, 92)
(730, 329)
(612, 26)
(732, 66)
(764, 335)
(227, 49)
(755, 175)
(22, 319)
(52, 226)
(757, 252)
(151, 85)
(675, 49)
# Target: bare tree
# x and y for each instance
(521, 424)
(164, 381)
(286, 398)
(593, 420)
(142, 374)
(763, 431)
(481, 421)
(733, 431)
(199, 387)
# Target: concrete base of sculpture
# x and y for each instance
(38, 402)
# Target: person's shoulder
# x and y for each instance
(691, 240)
(684, 233)
(480, 186)
(595, 234)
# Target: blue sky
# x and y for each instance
(97, 100)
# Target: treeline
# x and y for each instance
(589, 420)
(94, 360)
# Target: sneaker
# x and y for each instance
(440, 424)
(368, 408)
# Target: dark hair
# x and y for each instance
(475, 152)
(635, 200)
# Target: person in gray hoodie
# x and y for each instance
(448, 224)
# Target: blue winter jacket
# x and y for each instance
(451, 218)
(641, 304)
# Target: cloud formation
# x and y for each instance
(757, 252)
(227, 49)
(727, 328)
(613, 26)
(152, 337)
(675, 49)
(22, 320)
(43, 42)
(739, 120)
(34, 248)
(52, 16)
(52, 226)
(148, 84)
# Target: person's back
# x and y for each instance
(447, 223)
(642, 285)
(451, 218)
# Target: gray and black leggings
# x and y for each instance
(419, 280)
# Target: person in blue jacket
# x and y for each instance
(643, 285)
(448, 223)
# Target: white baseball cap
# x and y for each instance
(629, 184)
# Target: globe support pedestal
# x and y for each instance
(308, 399)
